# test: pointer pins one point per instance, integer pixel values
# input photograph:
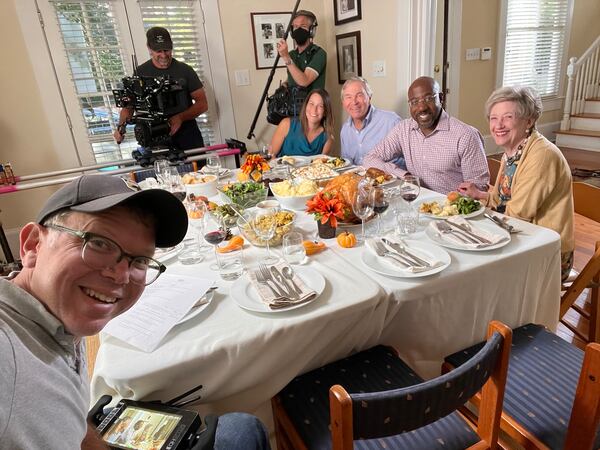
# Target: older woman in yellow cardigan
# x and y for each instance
(534, 181)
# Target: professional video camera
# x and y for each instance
(153, 100)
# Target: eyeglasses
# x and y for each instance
(100, 252)
(429, 99)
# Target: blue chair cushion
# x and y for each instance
(543, 373)
(306, 401)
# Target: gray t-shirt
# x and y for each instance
(44, 391)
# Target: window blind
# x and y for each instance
(535, 44)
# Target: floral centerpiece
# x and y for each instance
(327, 208)
(253, 167)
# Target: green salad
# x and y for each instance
(466, 205)
(246, 193)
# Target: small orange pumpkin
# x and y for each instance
(313, 247)
(346, 239)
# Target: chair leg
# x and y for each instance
(594, 327)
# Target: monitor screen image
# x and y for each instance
(141, 429)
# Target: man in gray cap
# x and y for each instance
(184, 130)
(86, 259)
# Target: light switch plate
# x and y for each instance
(486, 53)
(379, 68)
(242, 77)
(473, 54)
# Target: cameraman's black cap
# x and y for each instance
(96, 193)
(158, 38)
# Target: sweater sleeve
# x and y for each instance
(8, 373)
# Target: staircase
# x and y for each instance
(580, 127)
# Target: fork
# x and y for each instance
(260, 277)
(268, 277)
(384, 252)
(400, 247)
(444, 228)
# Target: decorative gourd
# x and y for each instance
(313, 247)
(346, 239)
(234, 243)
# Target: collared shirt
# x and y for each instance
(376, 125)
(314, 58)
(451, 154)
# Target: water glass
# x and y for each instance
(293, 249)
(213, 164)
(162, 168)
(231, 264)
(407, 220)
(190, 252)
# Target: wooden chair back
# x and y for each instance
(494, 167)
(587, 200)
(92, 344)
(588, 278)
(406, 404)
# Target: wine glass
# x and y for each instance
(197, 217)
(265, 152)
(215, 232)
(411, 186)
(174, 184)
(380, 204)
(265, 225)
(162, 170)
(363, 207)
(213, 164)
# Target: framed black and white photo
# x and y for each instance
(267, 30)
(348, 55)
(346, 11)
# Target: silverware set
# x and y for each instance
(403, 257)
(461, 232)
(281, 285)
(501, 223)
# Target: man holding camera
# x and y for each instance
(307, 62)
(184, 130)
(86, 259)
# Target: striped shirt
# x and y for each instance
(453, 153)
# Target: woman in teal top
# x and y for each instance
(309, 134)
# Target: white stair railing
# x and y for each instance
(583, 82)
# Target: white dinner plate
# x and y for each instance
(441, 201)
(198, 309)
(487, 227)
(429, 251)
(298, 161)
(362, 171)
(165, 254)
(346, 163)
(246, 296)
(223, 171)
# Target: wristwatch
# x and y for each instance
(288, 62)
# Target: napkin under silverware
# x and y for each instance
(370, 243)
(278, 301)
(474, 230)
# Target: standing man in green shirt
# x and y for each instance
(307, 62)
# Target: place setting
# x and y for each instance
(404, 258)
(459, 233)
(277, 288)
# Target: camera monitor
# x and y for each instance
(138, 425)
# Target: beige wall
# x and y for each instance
(28, 141)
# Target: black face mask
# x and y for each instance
(300, 35)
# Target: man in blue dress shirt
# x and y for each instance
(366, 125)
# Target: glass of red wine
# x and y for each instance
(380, 205)
(411, 186)
(215, 233)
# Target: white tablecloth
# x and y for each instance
(244, 358)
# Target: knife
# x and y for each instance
(291, 293)
(469, 232)
(398, 249)
(499, 222)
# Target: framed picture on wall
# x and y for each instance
(267, 30)
(346, 11)
(348, 55)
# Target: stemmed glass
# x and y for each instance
(174, 183)
(162, 169)
(197, 216)
(363, 207)
(411, 186)
(215, 233)
(213, 164)
(265, 224)
(380, 204)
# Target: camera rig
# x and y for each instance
(153, 100)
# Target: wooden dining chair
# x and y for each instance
(374, 399)
(552, 397)
(589, 277)
(92, 344)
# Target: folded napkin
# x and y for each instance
(474, 229)
(398, 265)
(274, 301)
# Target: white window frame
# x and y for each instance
(549, 103)
(69, 134)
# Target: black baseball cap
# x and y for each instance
(96, 193)
(158, 38)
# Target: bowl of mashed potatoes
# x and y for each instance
(293, 194)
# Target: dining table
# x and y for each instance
(243, 358)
